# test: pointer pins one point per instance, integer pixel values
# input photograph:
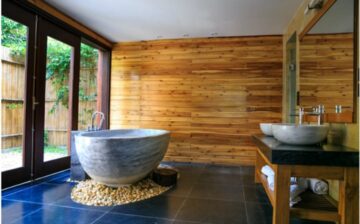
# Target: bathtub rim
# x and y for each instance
(84, 134)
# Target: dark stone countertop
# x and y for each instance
(316, 155)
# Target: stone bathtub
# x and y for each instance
(121, 157)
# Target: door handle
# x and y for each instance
(35, 103)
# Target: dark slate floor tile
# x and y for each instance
(54, 177)
(68, 202)
(42, 193)
(182, 188)
(188, 222)
(258, 213)
(13, 210)
(217, 192)
(255, 194)
(223, 169)
(220, 178)
(60, 215)
(60, 180)
(16, 189)
(50, 179)
(249, 180)
(161, 207)
(212, 211)
(112, 218)
(247, 170)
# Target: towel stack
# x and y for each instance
(297, 185)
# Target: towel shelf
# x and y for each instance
(312, 206)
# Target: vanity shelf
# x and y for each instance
(324, 162)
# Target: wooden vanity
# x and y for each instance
(323, 162)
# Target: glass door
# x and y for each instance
(56, 95)
(17, 59)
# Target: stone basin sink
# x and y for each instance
(294, 134)
(266, 128)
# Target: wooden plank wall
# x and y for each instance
(326, 71)
(12, 99)
(211, 93)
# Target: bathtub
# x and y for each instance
(121, 157)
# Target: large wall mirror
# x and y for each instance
(326, 57)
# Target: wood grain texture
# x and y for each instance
(297, 25)
(211, 93)
(326, 71)
(349, 197)
(350, 132)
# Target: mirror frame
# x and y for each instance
(356, 83)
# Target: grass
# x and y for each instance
(48, 149)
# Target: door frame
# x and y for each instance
(23, 174)
(45, 29)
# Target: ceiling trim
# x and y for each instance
(40, 4)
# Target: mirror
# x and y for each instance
(326, 57)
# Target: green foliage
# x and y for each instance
(14, 36)
(89, 56)
(46, 137)
(55, 149)
(85, 116)
(13, 106)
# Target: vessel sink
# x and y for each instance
(266, 128)
(294, 134)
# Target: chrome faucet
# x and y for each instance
(94, 127)
(301, 115)
(318, 111)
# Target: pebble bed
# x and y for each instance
(89, 192)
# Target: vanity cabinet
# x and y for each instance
(318, 161)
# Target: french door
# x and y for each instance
(16, 93)
(56, 79)
(40, 85)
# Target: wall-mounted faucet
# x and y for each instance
(94, 127)
(318, 111)
(301, 114)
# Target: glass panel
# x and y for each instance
(88, 85)
(13, 76)
(58, 68)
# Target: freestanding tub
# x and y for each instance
(121, 157)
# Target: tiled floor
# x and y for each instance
(204, 194)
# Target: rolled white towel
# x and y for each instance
(295, 191)
(267, 171)
(294, 201)
(270, 181)
(302, 182)
(318, 186)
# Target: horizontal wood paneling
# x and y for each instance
(326, 71)
(211, 93)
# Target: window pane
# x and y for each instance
(13, 57)
(88, 85)
(56, 134)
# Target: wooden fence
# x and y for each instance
(12, 105)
